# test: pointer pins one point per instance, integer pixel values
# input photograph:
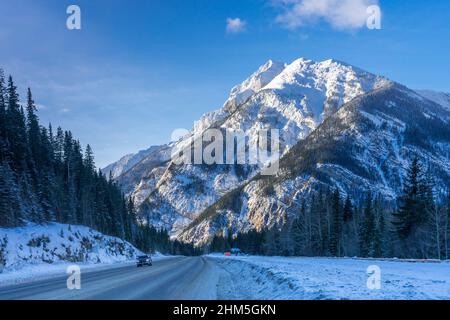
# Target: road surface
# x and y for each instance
(172, 278)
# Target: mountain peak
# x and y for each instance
(271, 63)
(332, 77)
(304, 72)
(254, 83)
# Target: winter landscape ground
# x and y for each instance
(37, 256)
(336, 278)
(236, 278)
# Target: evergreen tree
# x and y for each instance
(407, 214)
(349, 230)
(271, 244)
(447, 228)
(3, 135)
(368, 229)
(416, 205)
(218, 244)
(429, 228)
(10, 208)
(319, 212)
(297, 236)
(348, 210)
(33, 129)
(58, 146)
(378, 229)
(89, 160)
(47, 175)
(336, 234)
(15, 129)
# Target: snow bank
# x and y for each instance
(35, 246)
(334, 279)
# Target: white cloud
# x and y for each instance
(340, 14)
(235, 25)
(37, 105)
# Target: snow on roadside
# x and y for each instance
(247, 281)
(332, 279)
(42, 251)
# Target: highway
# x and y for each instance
(176, 278)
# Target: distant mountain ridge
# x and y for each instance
(119, 167)
(441, 98)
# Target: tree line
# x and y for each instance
(46, 176)
(325, 223)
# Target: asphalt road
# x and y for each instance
(172, 279)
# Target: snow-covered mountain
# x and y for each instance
(365, 146)
(294, 98)
(128, 161)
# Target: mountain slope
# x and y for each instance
(363, 146)
(441, 98)
(294, 99)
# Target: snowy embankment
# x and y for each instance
(40, 251)
(334, 278)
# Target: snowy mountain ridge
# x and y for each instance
(441, 98)
(293, 98)
(257, 81)
(240, 93)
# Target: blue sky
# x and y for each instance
(139, 69)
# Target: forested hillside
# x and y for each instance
(327, 224)
(46, 176)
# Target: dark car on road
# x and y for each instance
(144, 261)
